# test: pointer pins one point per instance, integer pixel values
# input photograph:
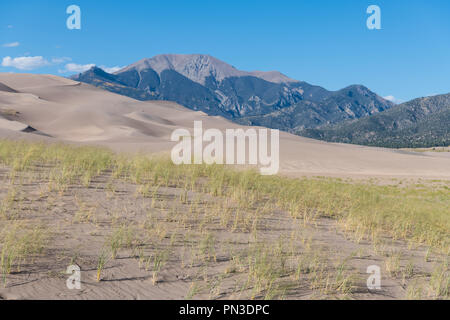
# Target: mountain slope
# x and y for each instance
(423, 122)
(204, 83)
(353, 102)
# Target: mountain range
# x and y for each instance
(273, 100)
(204, 83)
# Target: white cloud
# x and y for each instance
(11, 45)
(61, 60)
(78, 68)
(111, 69)
(25, 63)
(393, 99)
(73, 67)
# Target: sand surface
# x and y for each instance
(81, 219)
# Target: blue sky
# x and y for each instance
(323, 42)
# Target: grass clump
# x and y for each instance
(409, 213)
(19, 243)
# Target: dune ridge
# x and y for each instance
(5, 88)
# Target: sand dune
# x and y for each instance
(76, 112)
(5, 88)
(12, 125)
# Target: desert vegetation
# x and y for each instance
(141, 227)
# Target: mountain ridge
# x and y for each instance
(421, 122)
(198, 67)
(204, 83)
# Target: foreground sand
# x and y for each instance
(142, 228)
(70, 111)
(170, 237)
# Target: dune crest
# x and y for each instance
(5, 88)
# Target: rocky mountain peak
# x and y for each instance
(198, 67)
